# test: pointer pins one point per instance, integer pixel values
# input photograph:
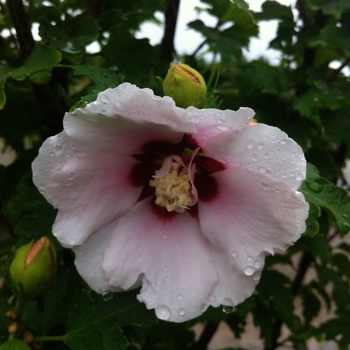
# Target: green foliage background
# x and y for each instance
(302, 95)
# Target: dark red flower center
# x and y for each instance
(190, 168)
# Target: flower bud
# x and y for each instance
(185, 86)
(33, 268)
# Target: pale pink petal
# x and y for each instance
(172, 256)
(89, 258)
(210, 122)
(233, 286)
(251, 215)
(90, 188)
(262, 149)
(125, 118)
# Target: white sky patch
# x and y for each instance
(187, 40)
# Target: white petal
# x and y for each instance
(263, 149)
(233, 286)
(210, 122)
(89, 188)
(251, 215)
(89, 259)
(125, 118)
(173, 257)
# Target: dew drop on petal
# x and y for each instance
(299, 177)
(257, 265)
(250, 258)
(264, 185)
(58, 149)
(227, 305)
(203, 308)
(234, 254)
(248, 271)
(72, 242)
(162, 312)
(262, 169)
(107, 295)
(179, 297)
(255, 157)
(283, 142)
(256, 277)
(260, 145)
(81, 154)
(250, 143)
(182, 312)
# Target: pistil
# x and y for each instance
(173, 190)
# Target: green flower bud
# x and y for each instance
(185, 86)
(33, 268)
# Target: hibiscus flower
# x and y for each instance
(184, 203)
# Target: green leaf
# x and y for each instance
(312, 225)
(14, 344)
(274, 10)
(95, 320)
(311, 304)
(134, 57)
(333, 199)
(2, 92)
(307, 105)
(275, 285)
(103, 78)
(41, 58)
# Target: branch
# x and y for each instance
(206, 336)
(304, 265)
(171, 15)
(337, 71)
(5, 223)
(94, 8)
(23, 28)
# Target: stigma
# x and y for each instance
(173, 190)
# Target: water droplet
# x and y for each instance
(255, 157)
(260, 145)
(163, 313)
(275, 235)
(81, 154)
(257, 265)
(107, 295)
(283, 142)
(256, 277)
(203, 308)
(262, 169)
(222, 127)
(265, 186)
(227, 305)
(234, 254)
(250, 258)
(266, 156)
(248, 271)
(72, 242)
(299, 177)
(314, 186)
(58, 149)
(182, 312)
(250, 143)
(179, 297)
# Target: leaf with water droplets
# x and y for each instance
(94, 324)
(334, 200)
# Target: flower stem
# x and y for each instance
(50, 338)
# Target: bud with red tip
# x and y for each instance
(185, 86)
(33, 268)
